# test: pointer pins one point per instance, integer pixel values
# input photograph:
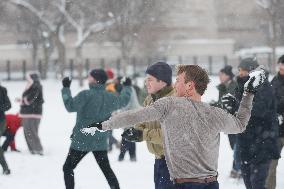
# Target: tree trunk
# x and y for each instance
(45, 61)
(61, 49)
(273, 42)
(34, 55)
(79, 63)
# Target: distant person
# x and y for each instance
(31, 112)
(229, 85)
(128, 146)
(13, 123)
(5, 105)
(110, 86)
(278, 86)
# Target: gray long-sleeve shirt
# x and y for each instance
(191, 132)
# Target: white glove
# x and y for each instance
(92, 131)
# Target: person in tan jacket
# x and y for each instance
(159, 84)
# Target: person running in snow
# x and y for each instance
(257, 145)
(191, 128)
(31, 112)
(5, 105)
(92, 105)
(13, 123)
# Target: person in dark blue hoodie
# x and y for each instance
(278, 86)
(257, 145)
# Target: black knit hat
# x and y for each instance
(99, 75)
(248, 64)
(162, 71)
(34, 77)
(228, 71)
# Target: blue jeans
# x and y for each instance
(212, 185)
(161, 175)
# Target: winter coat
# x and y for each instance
(13, 123)
(32, 101)
(5, 103)
(152, 132)
(94, 105)
(278, 86)
(258, 143)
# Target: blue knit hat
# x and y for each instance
(162, 71)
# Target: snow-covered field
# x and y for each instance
(45, 172)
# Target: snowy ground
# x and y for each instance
(45, 172)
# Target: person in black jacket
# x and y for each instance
(5, 105)
(31, 112)
(278, 86)
(257, 145)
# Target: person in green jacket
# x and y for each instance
(92, 105)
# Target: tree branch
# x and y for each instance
(35, 11)
(96, 27)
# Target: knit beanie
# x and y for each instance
(162, 71)
(99, 75)
(34, 77)
(248, 64)
(228, 71)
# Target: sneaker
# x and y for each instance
(6, 172)
(133, 159)
(15, 150)
(120, 158)
(234, 174)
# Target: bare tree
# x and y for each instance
(53, 23)
(135, 16)
(273, 10)
(81, 17)
(77, 15)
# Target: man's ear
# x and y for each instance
(191, 85)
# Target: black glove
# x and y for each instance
(229, 103)
(255, 81)
(66, 82)
(126, 81)
(132, 135)
(98, 125)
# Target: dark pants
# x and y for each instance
(232, 140)
(3, 162)
(75, 156)
(9, 138)
(255, 175)
(162, 175)
(212, 185)
(127, 146)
